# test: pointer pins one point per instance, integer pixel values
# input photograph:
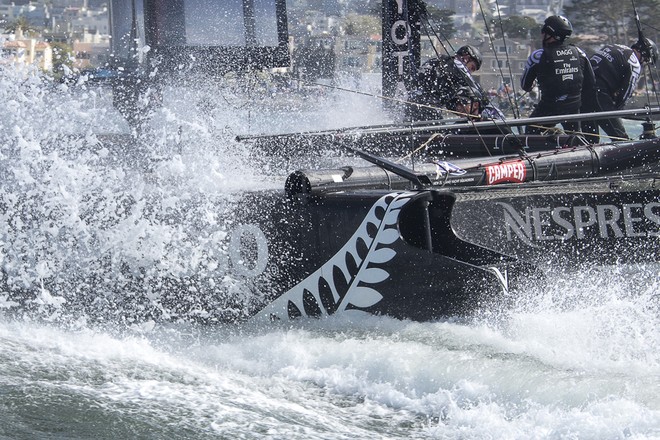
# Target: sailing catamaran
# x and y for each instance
(482, 216)
(452, 235)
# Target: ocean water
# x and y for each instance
(578, 358)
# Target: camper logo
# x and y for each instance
(512, 172)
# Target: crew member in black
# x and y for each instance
(440, 78)
(466, 102)
(617, 69)
(563, 72)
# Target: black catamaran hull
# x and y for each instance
(366, 241)
(427, 254)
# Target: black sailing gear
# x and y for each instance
(617, 72)
(439, 79)
(564, 77)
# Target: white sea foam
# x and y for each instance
(328, 378)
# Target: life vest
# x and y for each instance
(560, 71)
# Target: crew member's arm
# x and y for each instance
(531, 70)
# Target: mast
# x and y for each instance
(401, 47)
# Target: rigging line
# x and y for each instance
(641, 37)
(470, 119)
(492, 46)
(423, 146)
(403, 101)
(515, 104)
(639, 25)
(483, 142)
(470, 79)
(430, 25)
(557, 129)
(373, 95)
(437, 54)
(646, 24)
(427, 25)
(653, 89)
(451, 124)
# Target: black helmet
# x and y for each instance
(473, 53)
(464, 95)
(557, 26)
(647, 49)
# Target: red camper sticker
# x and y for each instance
(514, 172)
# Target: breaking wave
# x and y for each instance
(101, 218)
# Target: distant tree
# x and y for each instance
(442, 21)
(516, 26)
(21, 26)
(614, 19)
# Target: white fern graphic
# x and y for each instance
(346, 282)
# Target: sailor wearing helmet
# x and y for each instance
(466, 103)
(563, 72)
(617, 69)
(440, 78)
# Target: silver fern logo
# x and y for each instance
(347, 282)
